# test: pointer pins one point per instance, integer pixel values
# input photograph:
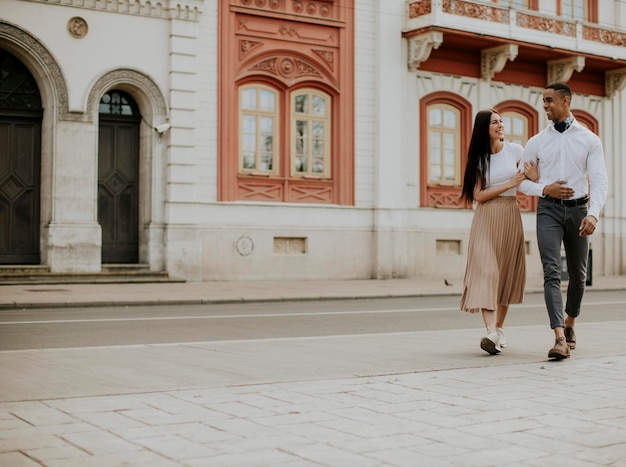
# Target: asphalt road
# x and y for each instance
(89, 327)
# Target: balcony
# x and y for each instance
(484, 40)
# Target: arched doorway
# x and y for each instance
(21, 113)
(118, 177)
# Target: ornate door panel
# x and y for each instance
(118, 187)
(20, 162)
(20, 157)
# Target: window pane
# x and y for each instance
(435, 145)
(299, 146)
(301, 164)
(318, 129)
(248, 99)
(267, 101)
(249, 124)
(449, 119)
(302, 104)
(318, 147)
(449, 157)
(435, 156)
(301, 128)
(267, 124)
(248, 160)
(249, 143)
(317, 164)
(434, 117)
(268, 144)
(319, 106)
(266, 161)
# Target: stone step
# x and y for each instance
(118, 273)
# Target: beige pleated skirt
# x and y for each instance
(496, 258)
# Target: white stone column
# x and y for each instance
(394, 162)
(72, 239)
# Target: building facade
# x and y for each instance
(283, 139)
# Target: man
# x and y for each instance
(572, 190)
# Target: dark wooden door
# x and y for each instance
(20, 160)
(118, 188)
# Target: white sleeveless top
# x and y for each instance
(503, 166)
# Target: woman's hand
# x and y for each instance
(518, 178)
(531, 171)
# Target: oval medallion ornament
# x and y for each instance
(77, 27)
(244, 245)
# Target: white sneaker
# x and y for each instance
(489, 343)
(501, 337)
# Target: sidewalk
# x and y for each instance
(429, 398)
(175, 293)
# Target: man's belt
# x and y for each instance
(568, 202)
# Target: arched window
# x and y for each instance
(258, 127)
(444, 132)
(310, 134)
(444, 148)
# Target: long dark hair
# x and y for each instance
(478, 154)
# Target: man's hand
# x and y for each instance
(558, 190)
(587, 226)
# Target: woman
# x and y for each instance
(495, 275)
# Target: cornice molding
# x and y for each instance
(186, 10)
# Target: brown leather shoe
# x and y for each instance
(560, 349)
(570, 338)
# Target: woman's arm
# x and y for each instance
(481, 195)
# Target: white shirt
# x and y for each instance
(503, 167)
(573, 156)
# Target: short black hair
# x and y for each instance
(562, 87)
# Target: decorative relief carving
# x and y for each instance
(605, 36)
(419, 8)
(448, 247)
(474, 10)
(244, 246)
(318, 8)
(494, 59)
(289, 246)
(253, 26)
(286, 67)
(268, 65)
(189, 10)
(615, 80)
(421, 46)
(132, 77)
(546, 24)
(561, 70)
(77, 27)
(246, 46)
(327, 56)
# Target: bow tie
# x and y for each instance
(561, 126)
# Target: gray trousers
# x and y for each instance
(558, 225)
